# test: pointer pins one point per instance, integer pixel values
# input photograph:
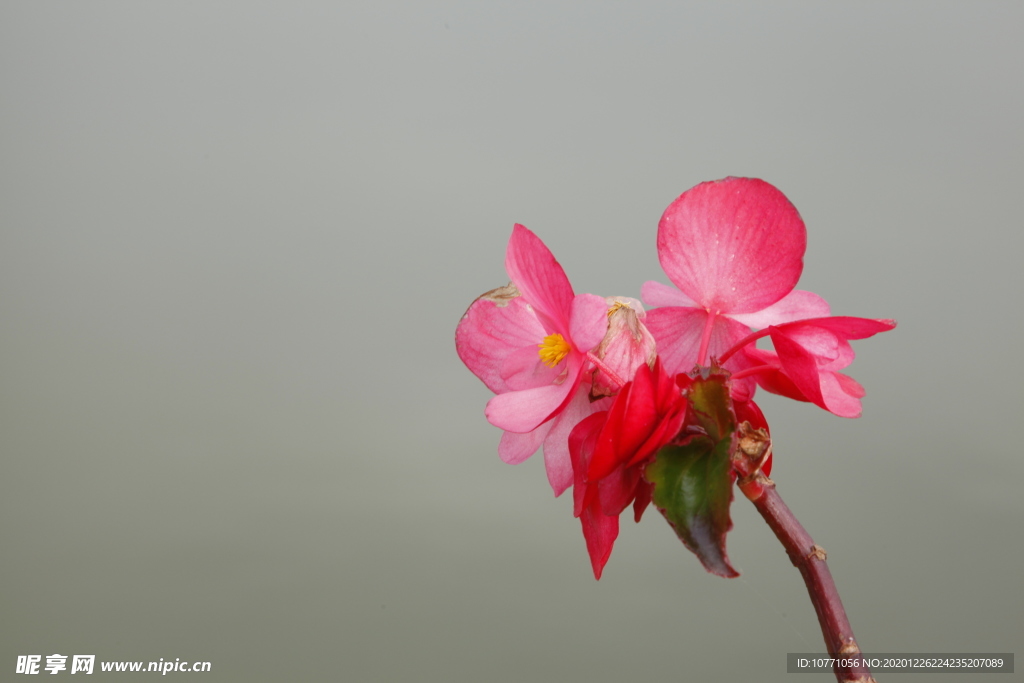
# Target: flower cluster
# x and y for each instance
(609, 388)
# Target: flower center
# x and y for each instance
(553, 349)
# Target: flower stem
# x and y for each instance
(809, 558)
(705, 338)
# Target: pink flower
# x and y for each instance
(626, 346)
(528, 343)
(632, 407)
(808, 355)
(734, 248)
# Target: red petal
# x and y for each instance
(616, 491)
(643, 499)
(600, 532)
(845, 326)
(581, 449)
(605, 458)
(799, 366)
(641, 411)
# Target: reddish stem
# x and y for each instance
(809, 558)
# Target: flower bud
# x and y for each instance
(626, 346)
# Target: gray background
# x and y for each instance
(236, 241)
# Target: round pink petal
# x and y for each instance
(497, 325)
(733, 246)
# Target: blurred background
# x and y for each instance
(236, 238)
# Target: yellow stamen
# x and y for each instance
(553, 349)
(616, 306)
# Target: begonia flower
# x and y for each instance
(808, 355)
(634, 407)
(734, 249)
(528, 342)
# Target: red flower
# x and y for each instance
(610, 449)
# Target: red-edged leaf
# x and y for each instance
(692, 482)
(693, 490)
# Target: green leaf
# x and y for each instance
(693, 482)
(693, 490)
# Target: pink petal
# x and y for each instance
(496, 325)
(836, 399)
(794, 306)
(733, 246)
(524, 369)
(817, 341)
(656, 294)
(515, 448)
(850, 386)
(540, 278)
(557, 461)
(588, 321)
(522, 411)
(678, 332)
